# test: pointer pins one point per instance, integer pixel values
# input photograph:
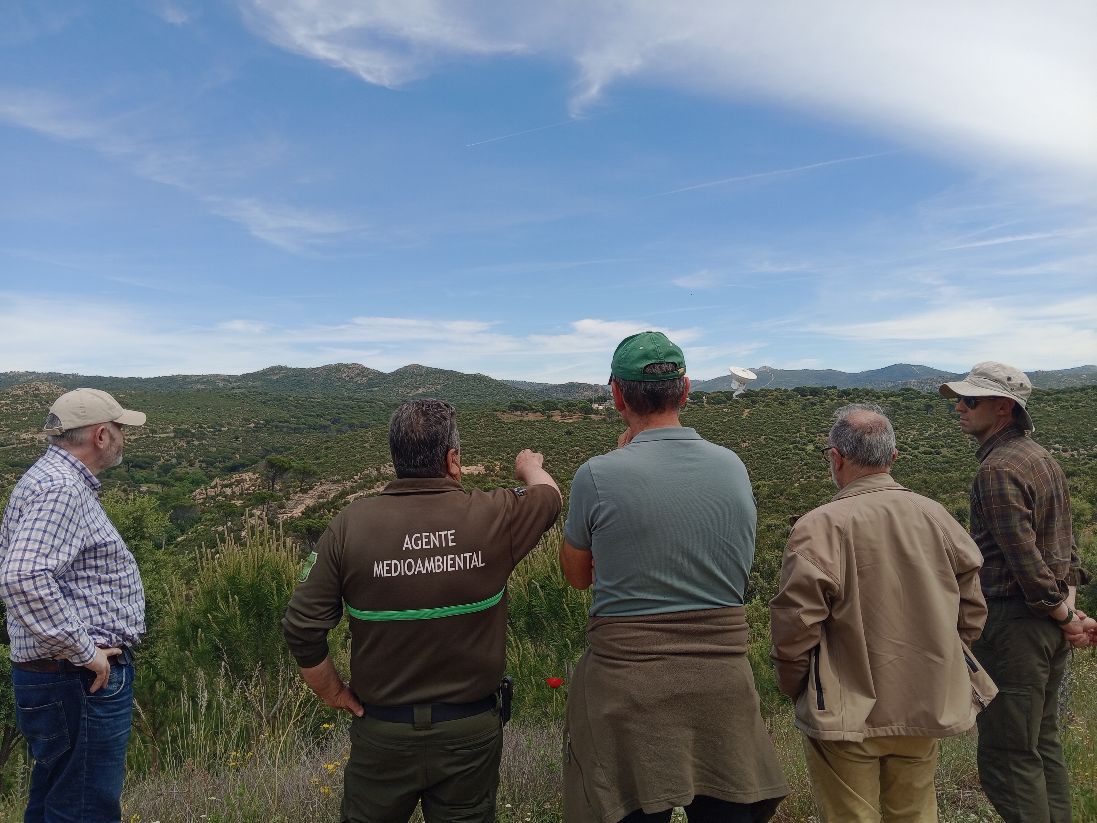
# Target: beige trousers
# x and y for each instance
(887, 779)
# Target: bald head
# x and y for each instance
(863, 435)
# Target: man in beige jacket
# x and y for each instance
(878, 604)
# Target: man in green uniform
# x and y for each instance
(421, 570)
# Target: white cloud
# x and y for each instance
(287, 227)
(1003, 77)
(174, 14)
(1055, 335)
(383, 43)
(243, 326)
(703, 279)
(47, 334)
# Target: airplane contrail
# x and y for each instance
(520, 133)
(1015, 238)
(776, 172)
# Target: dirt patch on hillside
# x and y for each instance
(327, 490)
(556, 416)
(234, 487)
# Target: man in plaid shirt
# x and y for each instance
(1020, 519)
(75, 608)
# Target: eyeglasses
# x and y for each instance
(970, 402)
(825, 452)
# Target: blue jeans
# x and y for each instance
(78, 742)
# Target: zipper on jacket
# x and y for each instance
(819, 703)
(971, 664)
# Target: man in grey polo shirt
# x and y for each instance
(663, 527)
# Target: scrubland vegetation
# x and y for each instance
(222, 492)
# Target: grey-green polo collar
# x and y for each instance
(667, 433)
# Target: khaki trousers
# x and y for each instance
(880, 779)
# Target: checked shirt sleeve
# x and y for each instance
(1009, 509)
(41, 548)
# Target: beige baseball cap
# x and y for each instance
(86, 407)
(990, 379)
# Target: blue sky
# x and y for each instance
(511, 188)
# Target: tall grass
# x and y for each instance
(255, 746)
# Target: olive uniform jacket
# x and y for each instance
(421, 571)
(878, 605)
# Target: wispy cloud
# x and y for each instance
(28, 20)
(189, 168)
(990, 77)
(703, 279)
(173, 13)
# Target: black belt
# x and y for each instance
(439, 712)
(50, 666)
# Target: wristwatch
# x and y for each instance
(1067, 619)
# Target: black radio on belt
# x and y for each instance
(506, 694)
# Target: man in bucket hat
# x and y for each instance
(75, 608)
(1020, 519)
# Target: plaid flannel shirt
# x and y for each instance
(1020, 519)
(66, 576)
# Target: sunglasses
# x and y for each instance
(970, 402)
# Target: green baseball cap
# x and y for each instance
(634, 353)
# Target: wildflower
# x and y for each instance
(554, 682)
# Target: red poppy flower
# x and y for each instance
(554, 682)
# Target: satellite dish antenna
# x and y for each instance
(740, 377)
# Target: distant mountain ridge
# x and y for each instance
(895, 376)
(356, 380)
(336, 379)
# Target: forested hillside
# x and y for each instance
(221, 493)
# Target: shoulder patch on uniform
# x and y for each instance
(310, 561)
(520, 491)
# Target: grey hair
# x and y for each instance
(421, 433)
(863, 434)
(652, 396)
(70, 437)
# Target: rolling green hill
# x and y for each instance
(222, 491)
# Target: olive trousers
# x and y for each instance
(1021, 764)
(452, 767)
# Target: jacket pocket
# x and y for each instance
(983, 689)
